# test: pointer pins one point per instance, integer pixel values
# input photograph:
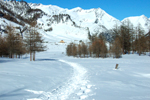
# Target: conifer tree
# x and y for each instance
(116, 48)
(140, 41)
(79, 50)
(74, 50)
(84, 49)
(3, 46)
(34, 42)
(11, 40)
(90, 50)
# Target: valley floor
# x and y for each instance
(54, 76)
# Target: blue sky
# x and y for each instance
(119, 9)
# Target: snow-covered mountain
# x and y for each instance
(142, 20)
(57, 23)
(97, 20)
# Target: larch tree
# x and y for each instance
(140, 40)
(90, 50)
(79, 50)
(20, 47)
(84, 49)
(11, 40)
(34, 42)
(74, 50)
(116, 48)
(3, 47)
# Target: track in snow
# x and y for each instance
(76, 88)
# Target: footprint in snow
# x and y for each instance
(83, 92)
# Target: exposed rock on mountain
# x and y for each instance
(56, 22)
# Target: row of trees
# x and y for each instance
(131, 39)
(96, 49)
(13, 44)
(125, 39)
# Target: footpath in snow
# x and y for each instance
(76, 87)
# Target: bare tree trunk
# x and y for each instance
(10, 55)
(30, 56)
(34, 56)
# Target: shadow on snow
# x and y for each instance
(5, 61)
(46, 60)
(12, 93)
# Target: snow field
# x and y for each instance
(18, 77)
(77, 83)
(129, 82)
(54, 76)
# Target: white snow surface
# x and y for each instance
(54, 76)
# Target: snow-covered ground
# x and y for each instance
(54, 76)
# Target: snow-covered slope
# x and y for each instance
(142, 20)
(96, 19)
(57, 23)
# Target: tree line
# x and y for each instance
(125, 40)
(130, 39)
(12, 44)
(97, 48)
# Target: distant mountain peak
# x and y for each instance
(77, 9)
(143, 16)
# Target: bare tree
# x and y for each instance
(74, 50)
(140, 34)
(34, 42)
(79, 50)
(69, 49)
(84, 49)
(20, 47)
(103, 52)
(90, 50)
(3, 47)
(125, 35)
(11, 40)
(116, 48)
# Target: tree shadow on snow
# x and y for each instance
(46, 60)
(5, 61)
(16, 92)
(25, 57)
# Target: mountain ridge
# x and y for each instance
(76, 22)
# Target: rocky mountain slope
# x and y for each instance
(57, 23)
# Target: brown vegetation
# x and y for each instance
(12, 44)
(96, 49)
